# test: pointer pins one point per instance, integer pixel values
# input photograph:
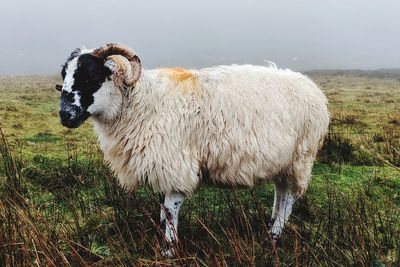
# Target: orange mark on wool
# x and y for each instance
(179, 74)
(183, 79)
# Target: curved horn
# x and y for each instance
(123, 50)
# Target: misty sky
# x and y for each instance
(37, 36)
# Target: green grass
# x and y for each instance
(43, 137)
(60, 205)
(29, 114)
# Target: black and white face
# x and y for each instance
(86, 87)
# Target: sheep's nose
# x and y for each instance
(65, 116)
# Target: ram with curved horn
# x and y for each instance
(173, 128)
(87, 75)
(109, 53)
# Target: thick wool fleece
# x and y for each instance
(228, 125)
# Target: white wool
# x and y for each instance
(230, 125)
(102, 106)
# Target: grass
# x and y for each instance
(29, 114)
(60, 206)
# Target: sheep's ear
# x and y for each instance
(58, 87)
(113, 70)
(111, 65)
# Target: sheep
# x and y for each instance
(173, 128)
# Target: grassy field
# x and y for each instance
(60, 206)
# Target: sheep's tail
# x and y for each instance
(271, 64)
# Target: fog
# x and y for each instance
(37, 36)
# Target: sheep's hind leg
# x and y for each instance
(275, 207)
(291, 186)
(283, 204)
(169, 220)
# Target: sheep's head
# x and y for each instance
(92, 79)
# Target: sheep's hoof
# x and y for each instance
(168, 253)
(272, 240)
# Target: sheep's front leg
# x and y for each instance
(282, 210)
(169, 220)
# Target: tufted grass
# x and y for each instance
(60, 206)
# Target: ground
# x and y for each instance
(59, 204)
